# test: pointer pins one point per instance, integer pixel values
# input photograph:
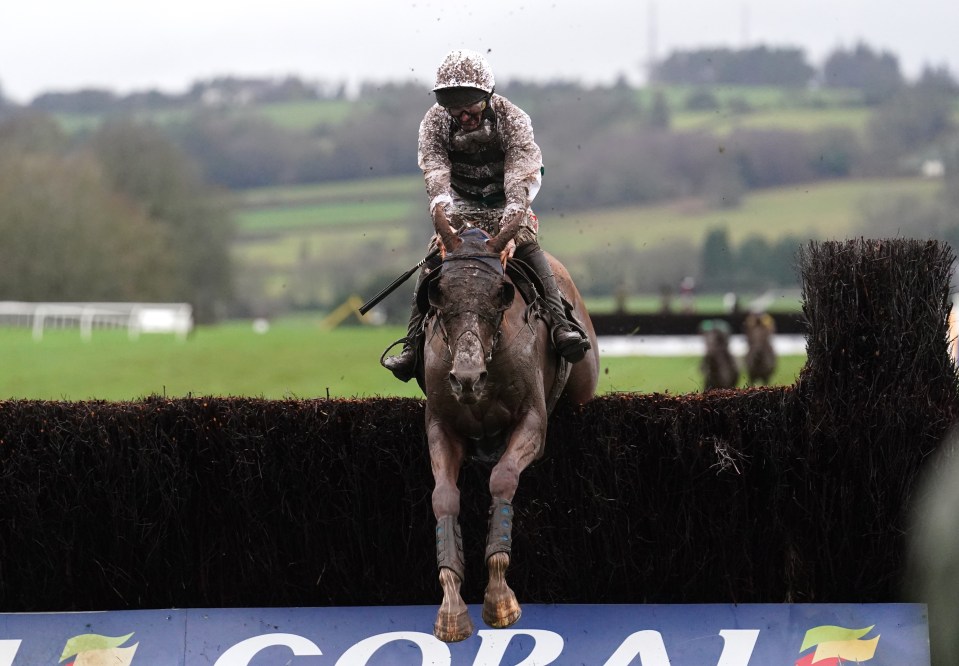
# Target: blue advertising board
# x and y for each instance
(604, 635)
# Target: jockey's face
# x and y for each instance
(468, 117)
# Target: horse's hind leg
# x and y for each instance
(500, 607)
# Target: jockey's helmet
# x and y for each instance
(463, 79)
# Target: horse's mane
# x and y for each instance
(474, 247)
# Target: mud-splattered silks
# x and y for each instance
(491, 171)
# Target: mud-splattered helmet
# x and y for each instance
(463, 78)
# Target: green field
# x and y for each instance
(332, 225)
(756, 97)
(738, 106)
(822, 211)
(349, 191)
(722, 122)
(301, 115)
(307, 114)
(324, 215)
(343, 220)
(294, 359)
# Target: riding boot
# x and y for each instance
(567, 339)
(403, 365)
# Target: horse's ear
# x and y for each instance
(497, 243)
(506, 295)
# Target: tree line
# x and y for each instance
(129, 210)
(873, 72)
(119, 215)
(607, 145)
(603, 146)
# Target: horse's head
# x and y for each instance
(759, 327)
(715, 334)
(469, 296)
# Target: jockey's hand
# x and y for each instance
(439, 244)
(508, 228)
(507, 252)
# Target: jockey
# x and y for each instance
(482, 167)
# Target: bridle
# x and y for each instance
(488, 263)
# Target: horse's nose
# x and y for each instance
(468, 383)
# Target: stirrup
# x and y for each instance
(405, 369)
(572, 350)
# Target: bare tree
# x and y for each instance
(144, 165)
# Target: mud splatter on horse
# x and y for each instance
(718, 366)
(491, 378)
(760, 359)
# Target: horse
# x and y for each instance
(760, 360)
(932, 550)
(491, 379)
(717, 365)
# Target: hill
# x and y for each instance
(318, 243)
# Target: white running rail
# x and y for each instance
(137, 318)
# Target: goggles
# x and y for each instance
(473, 109)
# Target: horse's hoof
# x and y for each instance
(502, 614)
(453, 627)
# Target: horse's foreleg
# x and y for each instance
(453, 622)
(500, 606)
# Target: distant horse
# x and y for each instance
(933, 550)
(491, 378)
(761, 357)
(717, 365)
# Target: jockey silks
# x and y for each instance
(492, 169)
(477, 163)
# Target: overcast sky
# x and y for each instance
(132, 45)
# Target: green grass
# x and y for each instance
(323, 215)
(74, 123)
(356, 191)
(768, 107)
(784, 108)
(294, 359)
(306, 114)
(301, 115)
(722, 122)
(756, 97)
(335, 220)
(282, 251)
(822, 211)
(673, 374)
(817, 210)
